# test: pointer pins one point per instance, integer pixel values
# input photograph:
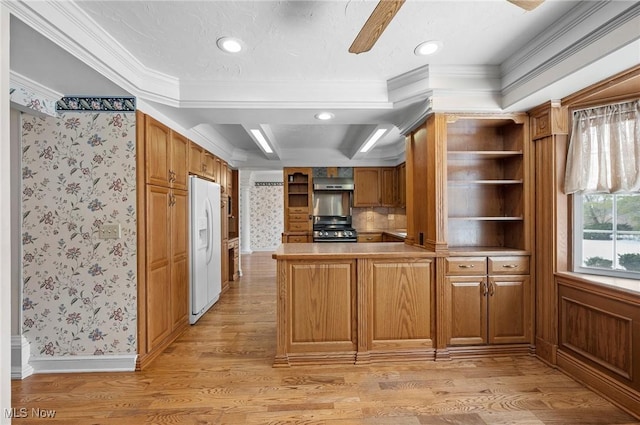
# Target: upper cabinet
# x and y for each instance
(166, 155)
(196, 159)
(377, 187)
(367, 191)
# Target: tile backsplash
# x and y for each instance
(379, 218)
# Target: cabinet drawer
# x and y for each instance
(298, 217)
(508, 265)
(466, 266)
(299, 210)
(298, 226)
(297, 239)
(370, 237)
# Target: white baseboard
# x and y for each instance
(20, 353)
(75, 364)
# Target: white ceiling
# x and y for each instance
(495, 57)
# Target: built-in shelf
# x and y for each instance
(488, 218)
(485, 182)
(466, 155)
(486, 191)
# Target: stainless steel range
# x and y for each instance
(332, 200)
(333, 229)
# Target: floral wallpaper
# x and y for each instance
(78, 173)
(25, 97)
(266, 205)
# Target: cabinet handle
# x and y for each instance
(509, 266)
(485, 289)
(369, 238)
(172, 176)
(492, 289)
(466, 266)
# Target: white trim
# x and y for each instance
(20, 353)
(7, 263)
(78, 364)
(35, 87)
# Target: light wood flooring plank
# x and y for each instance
(220, 372)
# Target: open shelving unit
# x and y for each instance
(298, 192)
(486, 183)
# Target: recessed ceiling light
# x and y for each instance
(324, 116)
(428, 48)
(230, 44)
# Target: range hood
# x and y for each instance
(335, 183)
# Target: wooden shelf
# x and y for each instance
(488, 218)
(483, 182)
(461, 155)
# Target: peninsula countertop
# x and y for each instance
(301, 251)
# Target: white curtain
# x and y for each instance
(604, 152)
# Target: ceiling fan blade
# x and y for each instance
(527, 5)
(375, 25)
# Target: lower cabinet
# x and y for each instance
(486, 305)
(167, 272)
(303, 237)
(355, 310)
(234, 259)
(369, 237)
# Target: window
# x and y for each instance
(602, 172)
(607, 234)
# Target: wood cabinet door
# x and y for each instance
(179, 258)
(196, 160)
(158, 152)
(158, 290)
(210, 166)
(509, 309)
(367, 187)
(468, 309)
(223, 177)
(179, 159)
(389, 189)
(401, 312)
(224, 269)
(323, 312)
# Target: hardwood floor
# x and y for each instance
(219, 372)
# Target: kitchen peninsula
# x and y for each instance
(334, 304)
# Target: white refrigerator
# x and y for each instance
(205, 250)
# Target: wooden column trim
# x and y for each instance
(409, 204)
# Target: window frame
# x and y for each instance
(578, 237)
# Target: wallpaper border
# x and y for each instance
(93, 103)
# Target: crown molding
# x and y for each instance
(572, 43)
(36, 88)
(68, 26)
(417, 85)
